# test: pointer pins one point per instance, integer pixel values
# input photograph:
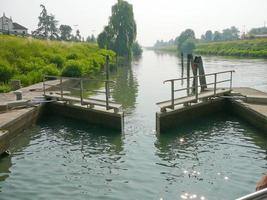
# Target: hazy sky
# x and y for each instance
(156, 19)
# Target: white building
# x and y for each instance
(8, 26)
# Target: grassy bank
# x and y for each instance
(28, 59)
(256, 48)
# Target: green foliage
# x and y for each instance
(47, 26)
(29, 59)
(65, 32)
(137, 49)
(73, 69)
(242, 48)
(6, 72)
(5, 88)
(188, 46)
(57, 60)
(121, 32)
(185, 35)
(258, 31)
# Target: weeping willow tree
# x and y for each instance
(120, 33)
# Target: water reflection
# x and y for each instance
(212, 154)
(126, 87)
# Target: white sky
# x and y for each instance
(156, 19)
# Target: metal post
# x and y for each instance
(107, 72)
(196, 87)
(44, 84)
(172, 93)
(81, 90)
(231, 81)
(215, 84)
(188, 75)
(61, 88)
(107, 94)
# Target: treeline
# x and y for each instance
(48, 29)
(228, 42)
(28, 59)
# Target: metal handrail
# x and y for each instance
(196, 86)
(191, 77)
(81, 89)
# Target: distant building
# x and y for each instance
(8, 26)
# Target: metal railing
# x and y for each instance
(80, 82)
(195, 87)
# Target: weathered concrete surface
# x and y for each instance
(14, 121)
(174, 118)
(4, 142)
(254, 112)
(104, 118)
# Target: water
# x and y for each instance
(219, 157)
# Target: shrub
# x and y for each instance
(50, 70)
(6, 72)
(5, 88)
(72, 56)
(73, 69)
(58, 61)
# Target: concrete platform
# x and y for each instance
(254, 112)
(14, 119)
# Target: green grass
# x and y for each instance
(29, 59)
(256, 48)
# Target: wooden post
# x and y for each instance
(188, 75)
(172, 93)
(202, 77)
(61, 88)
(81, 90)
(194, 67)
(182, 73)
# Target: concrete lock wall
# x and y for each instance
(172, 119)
(103, 118)
(254, 118)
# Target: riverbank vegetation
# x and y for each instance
(256, 48)
(229, 42)
(28, 59)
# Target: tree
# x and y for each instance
(208, 35)
(185, 35)
(77, 37)
(258, 31)
(120, 33)
(65, 32)
(137, 49)
(230, 33)
(91, 39)
(47, 26)
(188, 46)
(217, 36)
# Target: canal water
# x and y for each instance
(219, 157)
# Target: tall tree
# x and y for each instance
(208, 35)
(47, 26)
(120, 33)
(65, 32)
(185, 35)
